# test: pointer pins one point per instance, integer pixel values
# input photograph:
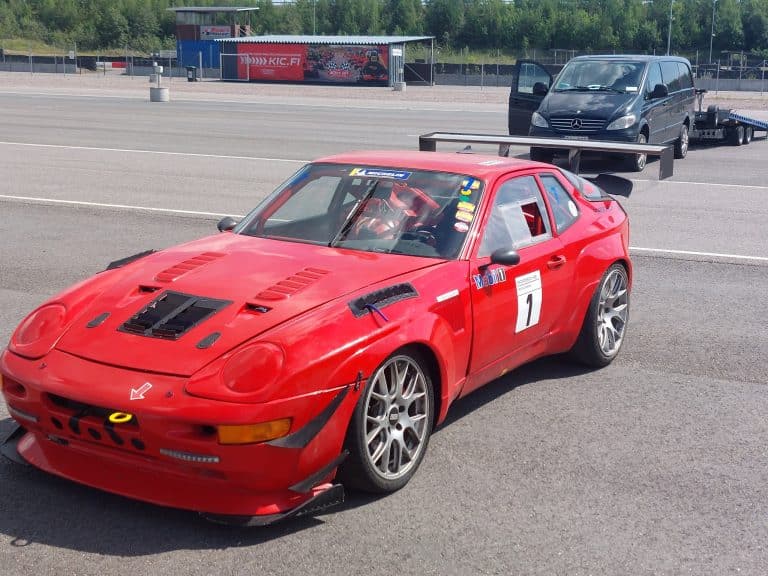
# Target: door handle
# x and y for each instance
(556, 262)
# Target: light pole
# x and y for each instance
(314, 3)
(669, 32)
(712, 31)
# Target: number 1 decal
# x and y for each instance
(528, 300)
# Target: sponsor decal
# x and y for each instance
(381, 173)
(274, 60)
(213, 32)
(461, 227)
(470, 184)
(490, 278)
(464, 216)
(465, 207)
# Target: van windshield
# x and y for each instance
(601, 75)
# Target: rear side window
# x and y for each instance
(654, 77)
(685, 76)
(671, 75)
(563, 207)
(518, 217)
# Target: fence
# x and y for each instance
(734, 71)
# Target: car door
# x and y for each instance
(523, 99)
(656, 111)
(515, 306)
(671, 76)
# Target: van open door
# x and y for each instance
(530, 84)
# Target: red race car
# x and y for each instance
(251, 374)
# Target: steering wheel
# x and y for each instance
(396, 200)
(423, 234)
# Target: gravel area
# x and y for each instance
(459, 97)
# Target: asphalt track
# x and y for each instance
(655, 465)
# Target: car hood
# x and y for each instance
(602, 105)
(256, 284)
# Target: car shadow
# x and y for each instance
(39, 508)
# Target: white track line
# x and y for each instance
(636, 249)
(160, 152)
(719, 184)
(121, 206)
(693, 253)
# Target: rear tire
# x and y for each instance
(636, 162)
(391, 425)
(735, 135)
(605, 323)
(747, 135)
(542, 155)
(681, 144)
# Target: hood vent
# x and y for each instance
(292, 285)
(177, 271)
(381, 298)
(172, 314)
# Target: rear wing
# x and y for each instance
(428, 143)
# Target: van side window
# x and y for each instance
(671, 76)
(654, 77)
(685, 76)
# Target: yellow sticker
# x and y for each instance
(466, 206)
(464, 216)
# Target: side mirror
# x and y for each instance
(505, 256)
(540, 89)
(659, 91)
(226, 224)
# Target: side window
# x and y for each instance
(530, 74)
(518, 217)
(671, 76)
(654, 77)
(685, 76)
(563, 207)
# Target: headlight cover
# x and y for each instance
(248, 375)
(39, 331)
(622, 123)
(539, 121)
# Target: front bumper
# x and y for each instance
(170, 455)
(626, 135)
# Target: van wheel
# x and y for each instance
(636, 162)
(747, 135)
(681, 144)
(542, 155)
(735, 135)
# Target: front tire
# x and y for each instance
(391, 425)
(605, 323)
(636, 162)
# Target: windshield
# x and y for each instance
(601, 75)
(400, 211)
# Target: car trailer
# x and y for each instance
(716, 125)
(428, 142)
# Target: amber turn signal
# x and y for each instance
(253, 433)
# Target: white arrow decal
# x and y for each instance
(139, 394)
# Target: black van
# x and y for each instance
(626, 98)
